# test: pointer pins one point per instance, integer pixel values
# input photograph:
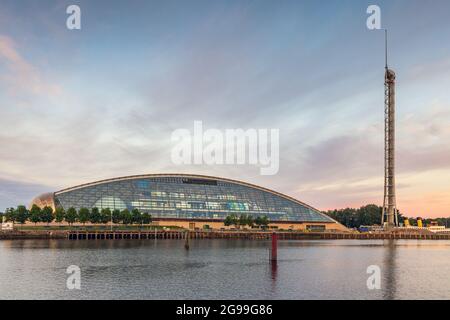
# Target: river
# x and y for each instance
(225, 269)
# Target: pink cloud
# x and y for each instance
(21, 76)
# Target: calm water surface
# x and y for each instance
(224, 269)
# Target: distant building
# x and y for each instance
(437, 229)
(7, 225)
(432, 227)
(191, 201)
(373, 228)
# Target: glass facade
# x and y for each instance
(185, 197)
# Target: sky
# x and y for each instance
(77, 106)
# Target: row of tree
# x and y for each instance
(371, 215)
(46, 215)
(350, 217)
(246, 220)
(353, 218)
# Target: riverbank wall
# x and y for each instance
(182, 234)
(38, 234)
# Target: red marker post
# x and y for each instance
(274, 251)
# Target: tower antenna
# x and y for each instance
(389, 216)
(386, 49)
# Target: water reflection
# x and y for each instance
(389, 269)
(224, 269)
(273, 269)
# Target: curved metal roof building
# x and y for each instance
(184, 196)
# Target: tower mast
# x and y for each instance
(389, 215)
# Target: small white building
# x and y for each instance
(7, 225)
(439, 229)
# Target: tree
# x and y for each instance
(443, 222)
(371, 215)
(59, 214)
(84, 215)
(146, 218)
(246, 220)
(95, 215)
(116, 216)
(242, 220)
(47, 215)
(136, 216)
(353, 218)
(21, 214)
(250, 221)
(368, 215)
(71, 215)
(262, 221)
(105, 215)
(35, 214)
(127, 218)
(230, 220)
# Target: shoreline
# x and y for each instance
(32, 235)
(76, 235)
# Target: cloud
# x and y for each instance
(20, 76)
(255, 65)
(429, 70)
(13, 192)
(347, 170)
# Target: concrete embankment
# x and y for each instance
(182, 234)
(248, 235)
(39, 234)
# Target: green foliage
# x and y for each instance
(95, 215)
(47, 214)
(350, 217)
(354, 218)
(245, 220)
(21, 214)
(116, 216)
(84, 215)
(59, 214)
(127, 218)
(262, 221)
(136, 216)
(35, 214)
(146, 218)
(231, 220)
(71, 215)
(105, 215)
